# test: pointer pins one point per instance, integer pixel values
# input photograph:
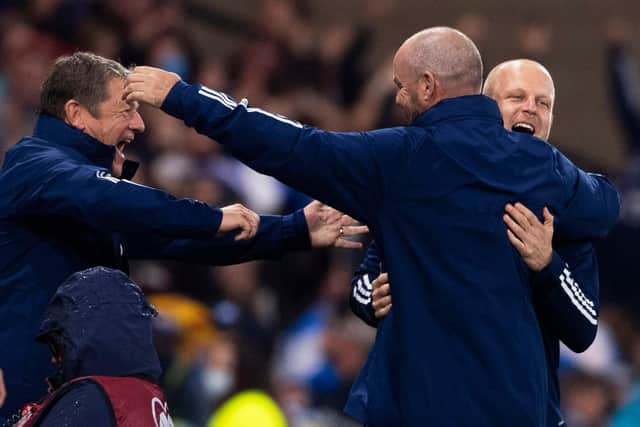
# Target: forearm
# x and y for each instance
(276, 236)
(92, 196)
(336, 168)
(567, 297)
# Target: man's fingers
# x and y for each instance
(383, 311)
(348, 244)
(134, 96)
(3, 390)
(514, 226)
(347, 220)
(380, 280)
(382, 290)
(236, 217)
(253, 220)
(520, 246)
(133, 86)
(517, 216)
(354, 230)
(332, 215)
(530, 216)
(548, 218)
(381, 302)
(136, 77)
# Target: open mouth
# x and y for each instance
(523, 128)
(120, 146)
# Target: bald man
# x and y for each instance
(462, 345)
(564, 281)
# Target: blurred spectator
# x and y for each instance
(587, 400)
(183, 336)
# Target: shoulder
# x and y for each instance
(85, 403)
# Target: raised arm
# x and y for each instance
(341, 169)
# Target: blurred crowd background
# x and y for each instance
(284, 327)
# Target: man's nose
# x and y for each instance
(530, 104)
(137, 124)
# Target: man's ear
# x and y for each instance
(75, 114)
(429, 86)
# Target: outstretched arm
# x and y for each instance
(316, 225)
(343, 169)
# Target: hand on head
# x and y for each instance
(149, 85)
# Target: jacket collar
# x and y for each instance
(477, 106)
(58, 132)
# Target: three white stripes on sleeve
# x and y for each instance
(584, 305)
(226, 101)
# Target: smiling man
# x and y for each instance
(66, 204)
(525, 94)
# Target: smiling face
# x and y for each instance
(115, 123)
(525, 95)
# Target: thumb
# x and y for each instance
(548, 218)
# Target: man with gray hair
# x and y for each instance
(66, 204)
(462, 346)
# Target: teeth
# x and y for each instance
(523, 127)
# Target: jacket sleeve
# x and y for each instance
(276, 235)
(360, 299)
(567, 295)
(338, 168)
(91, 195)
(592, 207)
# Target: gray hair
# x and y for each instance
(449, 54)
(83, 77)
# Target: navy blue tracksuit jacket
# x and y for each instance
(61, 211)
(565, 298)
(432, 194)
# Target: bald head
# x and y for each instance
(452, 57)
(508, 69)
(435, 64)
(525, 94)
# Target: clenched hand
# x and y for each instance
(381, 295)
(236, 217)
